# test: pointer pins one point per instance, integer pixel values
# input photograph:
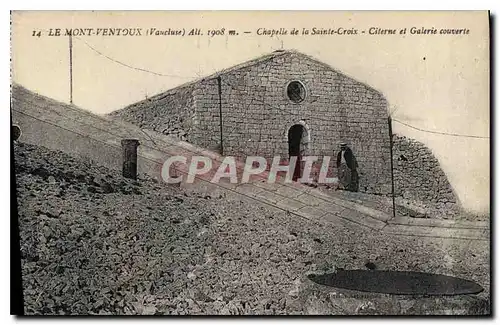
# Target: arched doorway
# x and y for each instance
(296, 135)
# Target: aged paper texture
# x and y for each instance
(252, 163)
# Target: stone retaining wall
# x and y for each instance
(169, 113)
(418, 175)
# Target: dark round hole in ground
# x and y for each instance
(397, 282)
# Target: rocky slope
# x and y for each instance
(93, 242)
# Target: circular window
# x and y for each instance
(296, 91)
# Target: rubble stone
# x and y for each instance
(419, 179)
(108, 253)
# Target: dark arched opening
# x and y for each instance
(16, 132)
(295, 134)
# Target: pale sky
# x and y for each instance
(434, 82)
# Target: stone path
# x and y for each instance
(72, 130)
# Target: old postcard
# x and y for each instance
(251, 163)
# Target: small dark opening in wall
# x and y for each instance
(16, 132)
(403, 158)
(296, 91)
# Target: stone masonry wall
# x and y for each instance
(170, 113)
(418, 175)
(257, 114)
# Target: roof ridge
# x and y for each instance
(244, 64)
